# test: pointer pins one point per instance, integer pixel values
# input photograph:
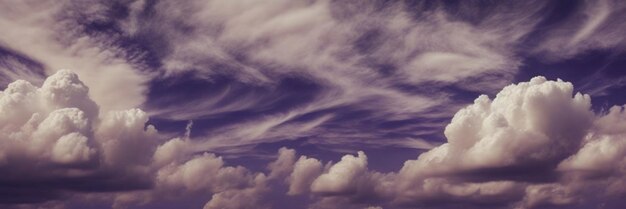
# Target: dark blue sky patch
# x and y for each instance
(169, 126)
(168, 91)
(288, 92)
(389, 159)
(598, 72)
(13, 62)
(574, 70)
(552, 15)
(614, 96)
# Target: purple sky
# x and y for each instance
(312, 104)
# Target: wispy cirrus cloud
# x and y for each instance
(383, 59)
(391, 60)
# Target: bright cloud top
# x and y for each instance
(56, 145)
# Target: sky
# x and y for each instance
(312, 104)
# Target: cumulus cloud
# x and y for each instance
(515, 141)
(305, 171)
(342, 176)
(54, 133)
(535, 144)
(191, 175)
(495, 147)
(58, 115)
(55, 144)
(534, 124)
(284, 163)
(241, 199)
(606, 147)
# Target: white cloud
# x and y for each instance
(601, 154)
(55, 133)
(72, 148)
(305, 171)
(191, 175)
(240, 198)
(284, 164)
(525, 122)
(173, 150)
(125, 139)
(34, 120)
(547, 194)
(496, 149)
(529, 126)
(605, 147)
(342, 177)
(55, 143)
(538, 122)
(34, 29)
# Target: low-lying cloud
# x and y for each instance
(55, 145)
(536, 143)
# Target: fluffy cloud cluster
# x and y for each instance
(495, 147)
(56, 144)
(54, 133)
(52, 122)
(529, 125)
(535, 144)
